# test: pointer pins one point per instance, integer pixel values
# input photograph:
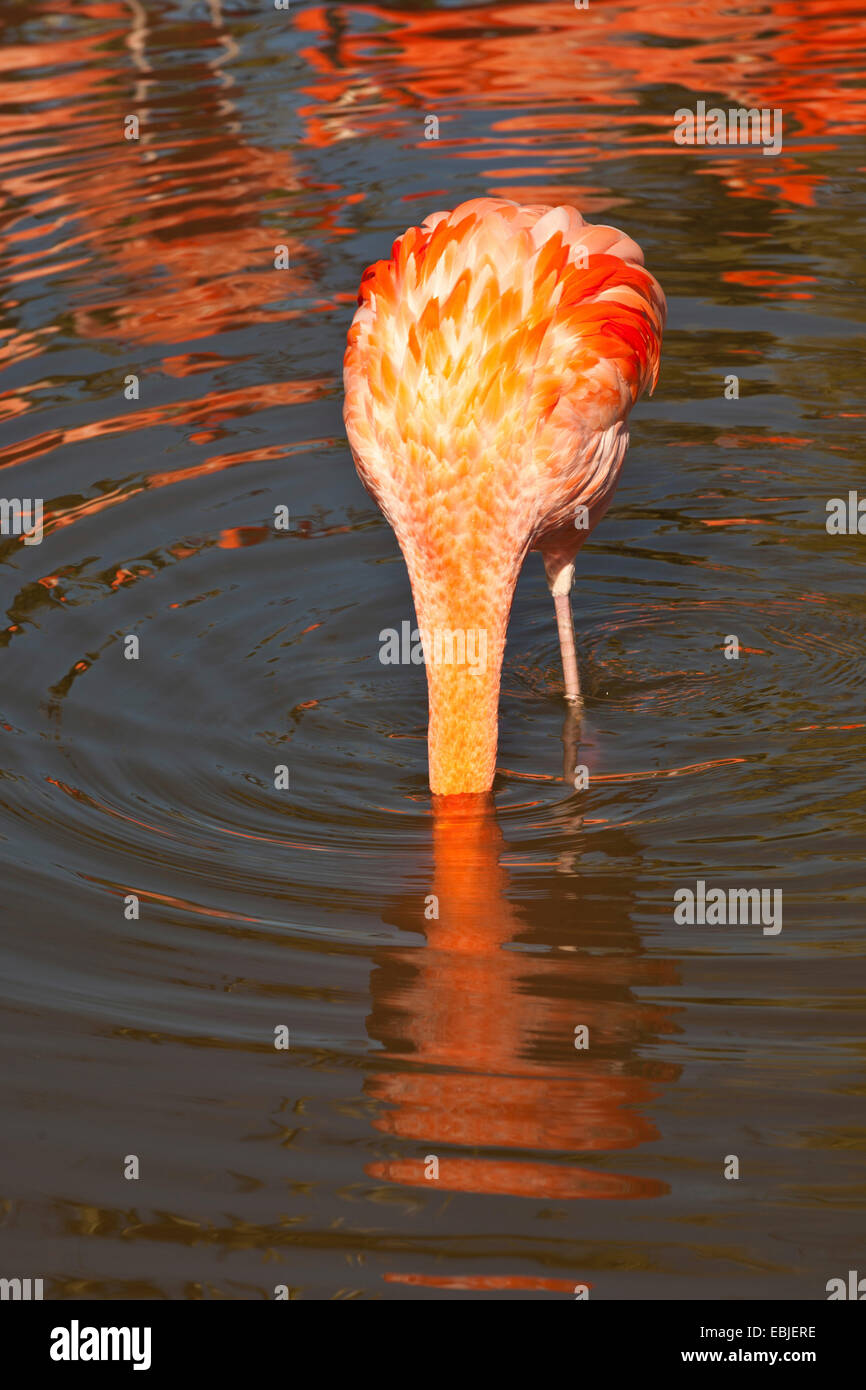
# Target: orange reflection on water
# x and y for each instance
(176, 230)
(575, 79)
(484, 1282)
(483, 1036)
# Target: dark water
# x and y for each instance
(305, 908)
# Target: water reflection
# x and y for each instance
(582, 74)
(483, 1024)
(176, 227)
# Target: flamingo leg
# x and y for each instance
(570, 742)
(565, 626)
(560, 578)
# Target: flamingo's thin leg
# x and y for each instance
(570, 743)
(565, 624)
(560, 579)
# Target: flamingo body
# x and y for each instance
(490, 369)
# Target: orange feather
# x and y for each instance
(490, 369)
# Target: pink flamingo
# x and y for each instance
(490, 370)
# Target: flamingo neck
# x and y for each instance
(462, 617)
(463, 727)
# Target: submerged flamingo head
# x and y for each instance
(491, 366)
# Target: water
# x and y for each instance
(414, 1037)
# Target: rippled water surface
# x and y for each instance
(415, 1037)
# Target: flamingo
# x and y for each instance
(490, 369)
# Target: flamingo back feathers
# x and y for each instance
(498, 336)
(490, 369)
